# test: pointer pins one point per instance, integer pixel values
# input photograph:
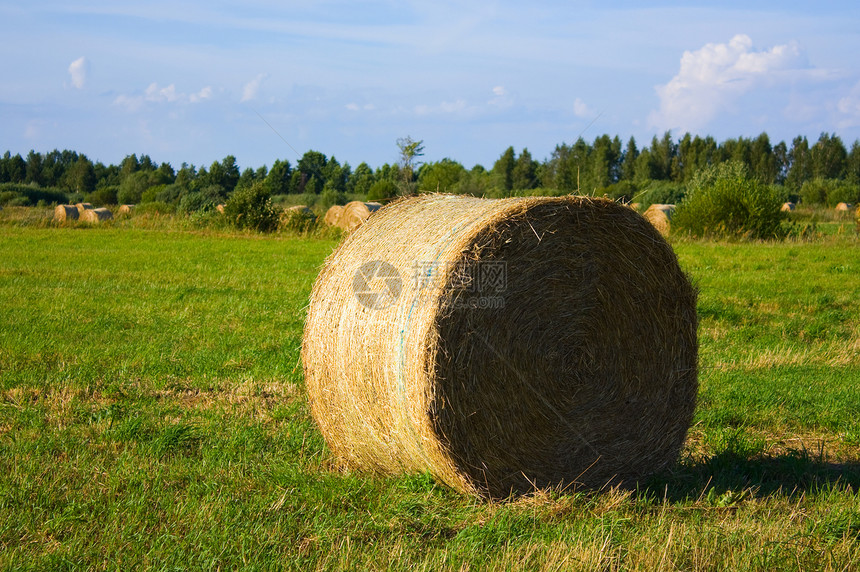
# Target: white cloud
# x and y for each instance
(849, 107)
(250, 90)
(500, 98)
(204, 93)
(357, 107)
(713, 77)
(580, 109)
(446, 107)
(78, 70)
(155, 94)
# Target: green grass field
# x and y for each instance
(152, 415)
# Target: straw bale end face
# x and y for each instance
(504, 345)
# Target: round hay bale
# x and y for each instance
(844, 207)
(302, 210)
(125, 210)
(660, 216)
(787, 207)
(96, 215)
(503, 345)
(355, 213)
(83, 207)
(332, 215)
(220, 208)
(299, 218)
(62, 213)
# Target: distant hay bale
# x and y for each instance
(299, 218)
(301, 209)
(125, 210)
(332, 215)
(787, 207)
(96, 215)
(635, 206)
(844, 207)
(220, 208)
(503, 345)
(62, 213)
(83, 207)
(660, 216)
(355, 213)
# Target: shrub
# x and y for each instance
(659, 193)
(205, 199)
(381, 189)
(251, 207)
(815, 192)
(16, 194)
(621, 191)
(297, 221)
(843, 193)
(102, 197)
(726, 201)
(155, 207)
(330, 197)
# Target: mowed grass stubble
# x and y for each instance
(152, 414)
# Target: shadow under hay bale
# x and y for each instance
(503, 345)
(660, 216)
(96, 215)
(63, 213)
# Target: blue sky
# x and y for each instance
(195, 81)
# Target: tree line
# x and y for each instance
(823, 171)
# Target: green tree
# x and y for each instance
(33, 173)
(524, 173)
(336, 175)
(800, 169)
(503, 170)
(628, 164)
(310, 170)
(410, 152)
(279, 177)
(762, 161)
(852, 164)
(80, 177)
(442, 176)
(828, 157)
(361, 179)
(14, 168)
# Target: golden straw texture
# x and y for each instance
(503, 345)
(332, 215)
(660, 216)
(83, 207)
(62, 213)
(96, 215)
(355, 213)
